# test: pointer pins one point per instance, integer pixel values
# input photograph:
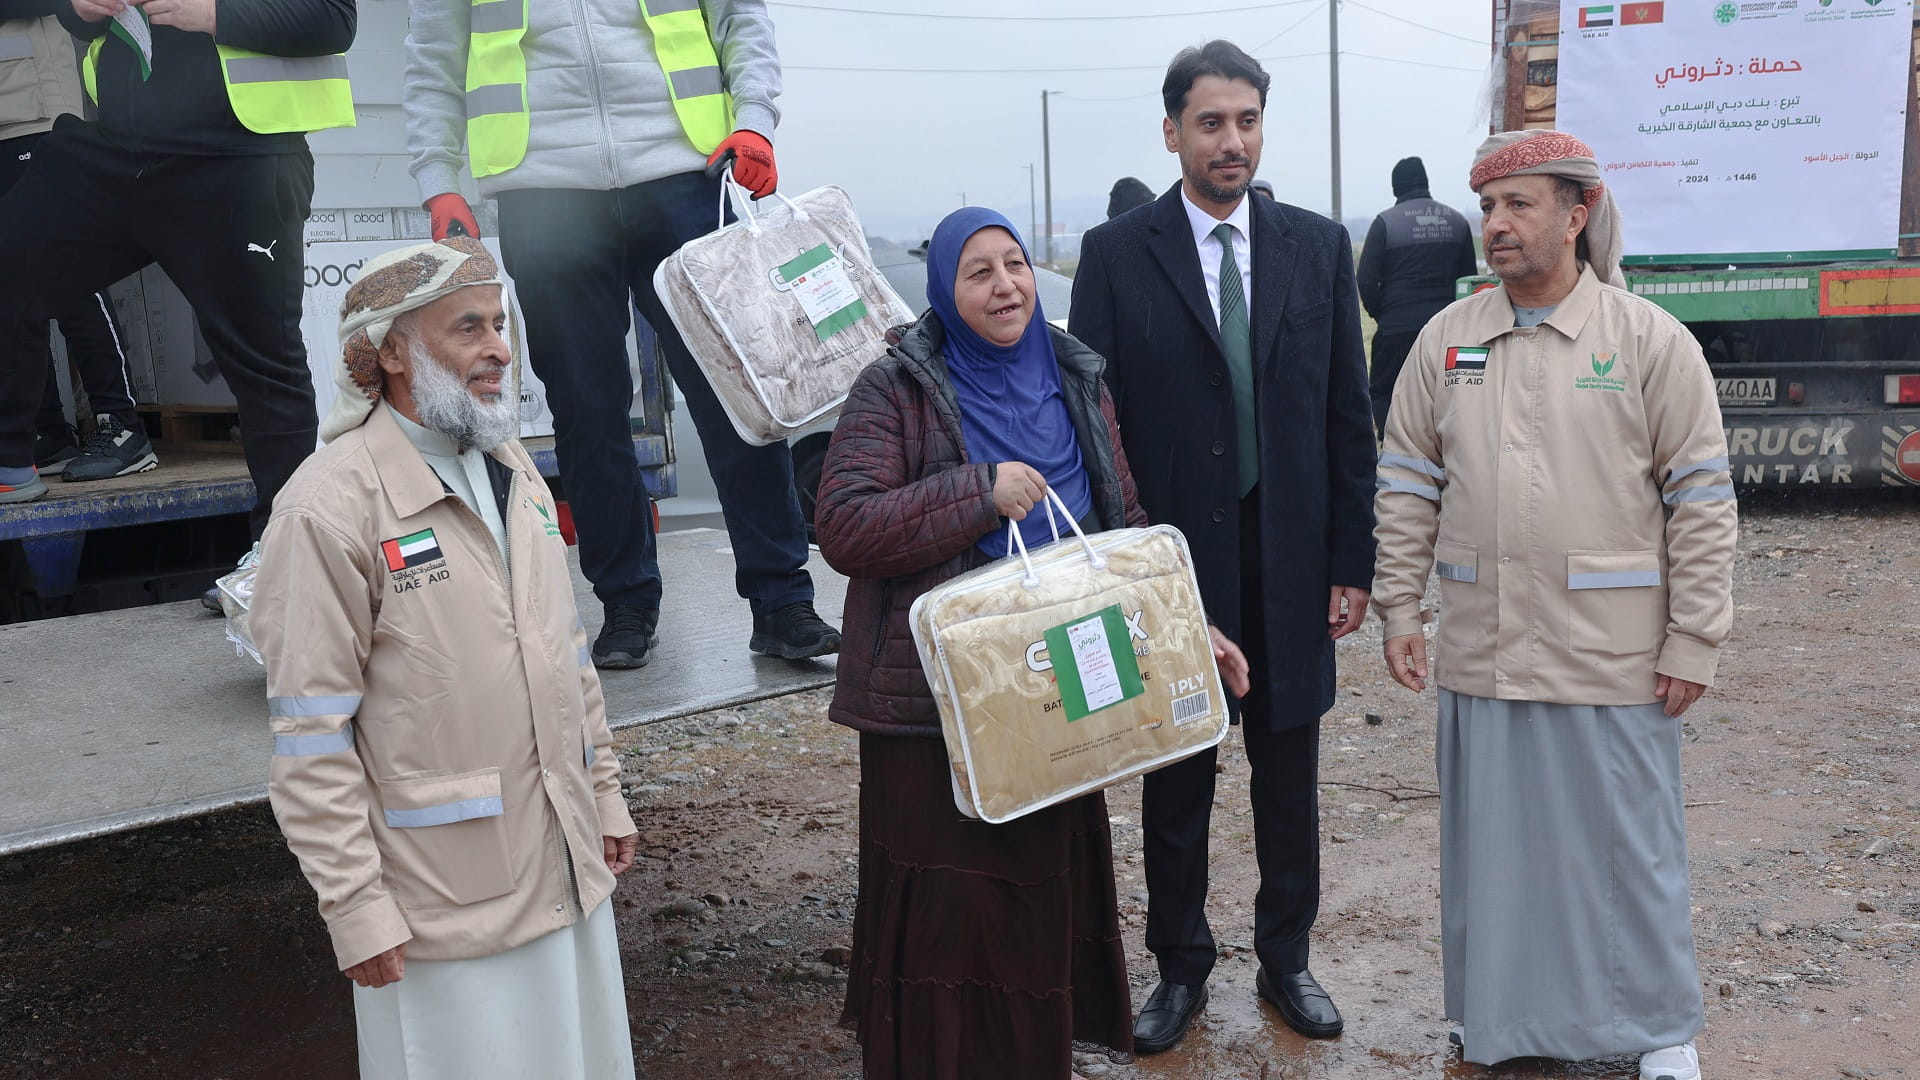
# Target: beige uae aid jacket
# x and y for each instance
(39, 79)
(441, 759)
(1568, 484)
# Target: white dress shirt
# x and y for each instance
(1203, 225)
(463, 471)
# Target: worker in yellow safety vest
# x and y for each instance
(198, 162)
(592, 124)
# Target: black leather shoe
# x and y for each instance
(794, 632)
(1305, 1007)
(1163, 1020)
(625, 637)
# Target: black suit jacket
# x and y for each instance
(1140, 301)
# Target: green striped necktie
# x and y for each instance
(1236, 343)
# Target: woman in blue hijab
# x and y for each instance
(979, 950)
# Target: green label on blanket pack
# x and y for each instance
(818, 279)
(1094, 662)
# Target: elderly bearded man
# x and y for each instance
(1554, 455)
(442, 763)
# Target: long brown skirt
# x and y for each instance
(980, 951)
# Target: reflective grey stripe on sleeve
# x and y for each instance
(668, 7)
(1706, 493)
(296, 707)
(1425, 491)
(445, 813)
(259, 69)
(1419, 465)
(697, 82)
(1624, 579)
(498, 15)
(332, 742)
(1711, 465)
(589, 754)
(585, 656)
(15, 46)
(1457, 572)
(494, 100)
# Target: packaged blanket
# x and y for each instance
(1070, 668)
(781, 308)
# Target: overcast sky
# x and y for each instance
(909, 111)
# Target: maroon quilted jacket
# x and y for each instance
(901, 507)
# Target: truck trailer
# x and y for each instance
(1764, 154)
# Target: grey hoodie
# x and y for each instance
(602, 119)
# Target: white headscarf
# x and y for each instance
(1556, 153)
(391, 285)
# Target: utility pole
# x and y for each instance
(1033, 207)
(1046, 168)
(1333, 96)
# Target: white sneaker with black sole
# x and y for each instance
(1673, 1063)
(112, 450)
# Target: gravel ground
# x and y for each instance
(192, 951)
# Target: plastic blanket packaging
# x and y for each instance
(781, 309)
(1070, 668)
(236, 601)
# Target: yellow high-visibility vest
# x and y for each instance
(498, 120)
(272, 94)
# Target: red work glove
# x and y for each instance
(752, 162)
(448, 211)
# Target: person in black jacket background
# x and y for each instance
(1414, 253)
(170, 174)
(1239, 375)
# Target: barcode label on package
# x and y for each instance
(1190, 708)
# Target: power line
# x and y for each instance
(1116, 67)
(1418, 26)
(1032, 18)
(1161, 66)
(1291, 27)
(1156, 93)
(1415, 63)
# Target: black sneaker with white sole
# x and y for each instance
(794, 632)
(112, 450)
(52, 450)
(626, 637)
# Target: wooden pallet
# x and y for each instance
(200, 428)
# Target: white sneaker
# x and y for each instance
(1674, 1063)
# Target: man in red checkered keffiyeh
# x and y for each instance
(1556, 153)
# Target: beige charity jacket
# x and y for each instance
(1568, 484)
(38, 76)
(442, 763)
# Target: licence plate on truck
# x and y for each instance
(1746, 391)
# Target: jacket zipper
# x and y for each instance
(600, 107)
(886, 610)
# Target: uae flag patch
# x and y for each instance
(1462, 358)
(1597, 16)
(413, 550)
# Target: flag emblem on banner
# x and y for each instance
(1460, 357)
(413, 550)
(1597, 16)
(1639, 14)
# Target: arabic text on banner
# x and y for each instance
(1742, 127)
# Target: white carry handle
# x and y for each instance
(743, 204)
(1031, 579)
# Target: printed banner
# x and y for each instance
(1745, 127)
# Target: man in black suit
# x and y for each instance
(1231, 327)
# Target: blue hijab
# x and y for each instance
(1011, 406)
